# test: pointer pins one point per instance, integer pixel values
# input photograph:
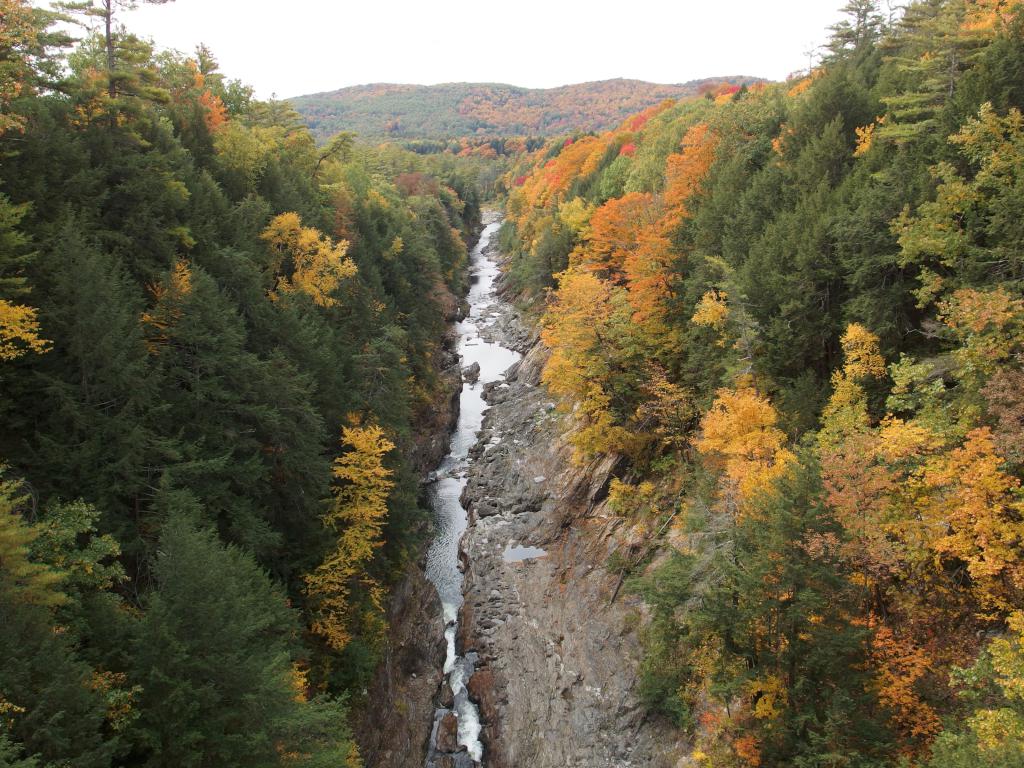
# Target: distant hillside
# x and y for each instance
(484, 109)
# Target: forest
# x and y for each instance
(790, 313)
(491, 110)
(795, 311)
(218, 345)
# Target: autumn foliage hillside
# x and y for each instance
(474, 109)
(796, 312)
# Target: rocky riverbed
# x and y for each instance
(556, 675)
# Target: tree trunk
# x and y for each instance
(108, 20)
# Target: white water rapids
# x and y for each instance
(451, 518)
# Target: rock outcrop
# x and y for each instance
(403, 689)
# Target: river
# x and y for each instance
(451, 518)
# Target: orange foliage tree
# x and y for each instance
(685, 171)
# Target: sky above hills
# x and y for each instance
(305, 46)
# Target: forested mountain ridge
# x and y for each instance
(454, 110)
(794, 313)
(218, 342)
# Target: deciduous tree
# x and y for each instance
(357, 516)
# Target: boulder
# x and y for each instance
(448, 733)
(447, 699)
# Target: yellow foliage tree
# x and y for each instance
(19, 331)
(23, 580)
(847, 408)
(575, 214)
(712, 311)
(865, 139)
(307, 260)
(740, 437)
(589, 332)
(357, 514)
(770, 694)
(168, 306)
(976, 508)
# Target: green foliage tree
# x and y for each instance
(214, 655)
(182, 376)
(46, 697)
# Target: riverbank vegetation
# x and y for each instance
(795, 311)
(217, 342)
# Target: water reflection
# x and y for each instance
(518, 554)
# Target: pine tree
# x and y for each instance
(214, 658)
(93, 436)
(124, 58)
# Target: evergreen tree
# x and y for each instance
(96, 439)
(214, 656)
(46, 691)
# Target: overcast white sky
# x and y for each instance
(294, 47)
